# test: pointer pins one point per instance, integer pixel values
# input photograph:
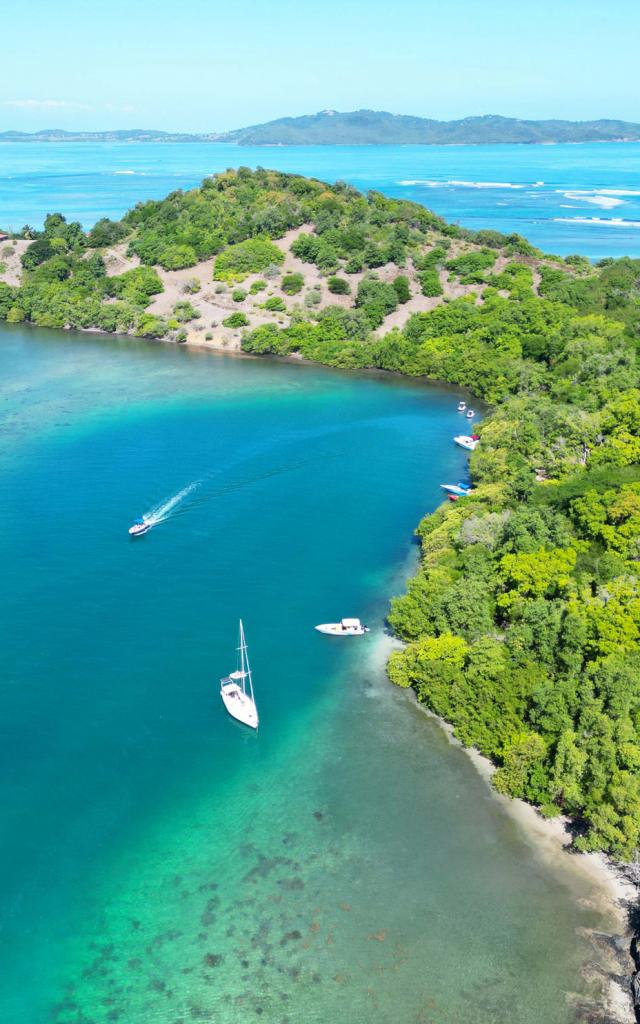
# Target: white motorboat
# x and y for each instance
(470, 414)
(236, 689)
(469, 443)
(459, 489)
(346, 627)
(140, 527)
(462, 406)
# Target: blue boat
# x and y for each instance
(458, 489)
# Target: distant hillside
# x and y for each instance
(366, 128)
(124, 135)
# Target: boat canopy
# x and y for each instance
(351, 623)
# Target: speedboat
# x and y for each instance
(236, 689)
(470, 414)
(346, 627)
(458, 489)
(140, 527)
(469, 443)
(462, 406)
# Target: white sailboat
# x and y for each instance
(236, 689)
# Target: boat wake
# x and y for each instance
(175, 505)
(160, 513)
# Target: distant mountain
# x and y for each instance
(367, 128)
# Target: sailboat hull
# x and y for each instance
(239, 705)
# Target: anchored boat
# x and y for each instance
(236, 689)
(468, 442)
(462, 406)
(346, 627)
(459, 490)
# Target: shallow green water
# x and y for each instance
(158, 863)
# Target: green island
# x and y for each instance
(368, 128)
(522, 624)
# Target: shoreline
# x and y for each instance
(303, 145)
(615, 893)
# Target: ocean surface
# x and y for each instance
(565, 198)
(158, 862)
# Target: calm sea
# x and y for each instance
(566, 199)
(158, 863)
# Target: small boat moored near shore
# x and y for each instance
(470, 414)
(346, 627)
(462, 406)
(140, 527)
(468, 442)
(460, 490)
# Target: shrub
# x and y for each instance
(236, 320)
(401, 285)
(192, 286)
(338, 286)
(275, 305)
(258, 286)
(238, 294)
(250, 257)
(376, 299)
(272, 271)
(430, 283)
(354, 264)
(136, 285)
(432, 259)
(313, 297)
(37, 253)
(184, 312)
(305, 247)
(471, 266)
(266, 340)
(208, 336)
(149, 326)
(292, 284)
(373, 256)
(177, 257)
(107, 232)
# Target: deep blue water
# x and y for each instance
(565, 199)
(157, 862)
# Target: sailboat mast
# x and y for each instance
(246, 667)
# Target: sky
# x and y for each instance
(203, 65)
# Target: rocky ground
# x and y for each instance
(214, 302)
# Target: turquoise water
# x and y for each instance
(158, 863)
(565, 199)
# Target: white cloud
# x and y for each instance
(45, 105)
